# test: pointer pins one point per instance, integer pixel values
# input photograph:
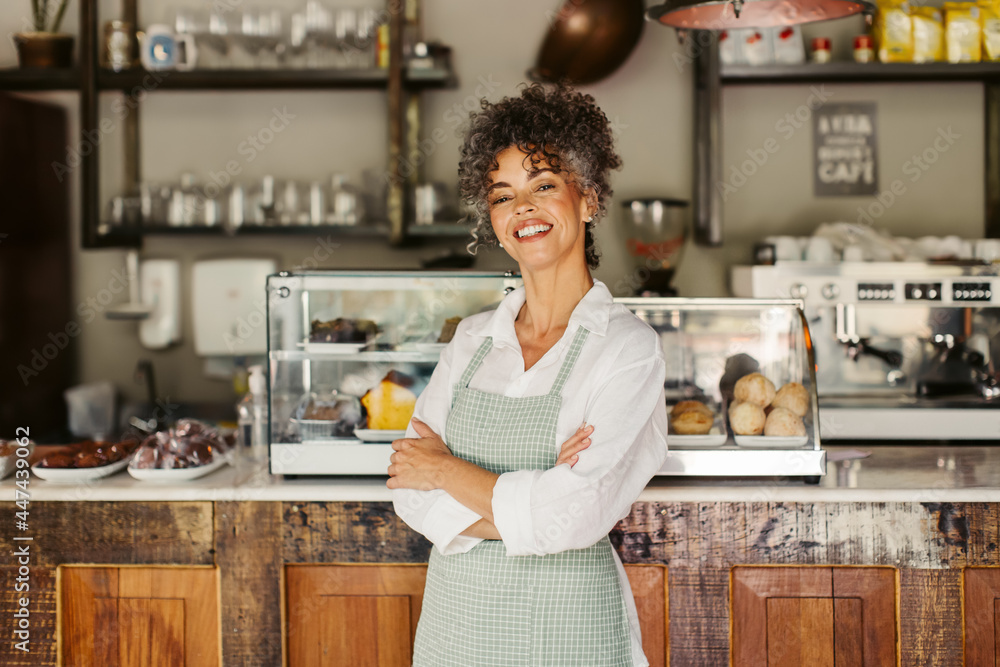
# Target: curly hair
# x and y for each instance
(557, 125)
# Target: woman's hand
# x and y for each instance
(570, 450)
(419, 463)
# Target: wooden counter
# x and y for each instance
(923, 515)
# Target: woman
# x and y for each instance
(522, 571)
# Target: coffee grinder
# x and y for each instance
(655, 229)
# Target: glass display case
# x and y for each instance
(349, 352)
(747, 366)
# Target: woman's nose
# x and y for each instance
(524, 204)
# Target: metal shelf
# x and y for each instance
(380, 230)
(39, 79)
(276, 79)
(852, 72)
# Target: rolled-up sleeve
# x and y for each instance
(540, 512)
(435, 514)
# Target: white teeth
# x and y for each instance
(532, 230)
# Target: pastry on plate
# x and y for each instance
(692, 422)
(792, 397)
(754, 388)
(342, 330)
(782, 422)
(746, 418)
(684, 406)
(390, 404)
(448, 329)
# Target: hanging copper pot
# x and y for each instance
(731, 14)
(588, 40)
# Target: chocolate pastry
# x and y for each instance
(342, 330)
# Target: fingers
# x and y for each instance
(569, 453)
(422, 429)
(582, 434)
(403, 443)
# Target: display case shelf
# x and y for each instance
(372, 356)
(276, 79)
(39, 79)
(852, 72)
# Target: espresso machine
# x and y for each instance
(904, 350)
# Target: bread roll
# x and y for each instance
(792, 397)
(754, 388)
(692, 422)
(746, 418)
(684, 406)
(782, 422)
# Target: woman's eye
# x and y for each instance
(500, 200)
(545, 186)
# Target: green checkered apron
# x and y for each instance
(485, 609)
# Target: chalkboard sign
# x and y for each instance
(845, 163)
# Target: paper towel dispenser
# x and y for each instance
(229, 305)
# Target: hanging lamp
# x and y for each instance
(732, 14)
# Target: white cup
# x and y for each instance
(786, 248)
(819, 249)
(987, 250)
(854, 253)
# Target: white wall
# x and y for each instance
(649, 100)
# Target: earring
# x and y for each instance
(499, 244)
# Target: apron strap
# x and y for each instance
(476, 362)
(557, 386)
(570, 361)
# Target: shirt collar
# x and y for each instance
(592, 313)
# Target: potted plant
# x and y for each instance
(45, 46)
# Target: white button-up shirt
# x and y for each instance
(616, 386)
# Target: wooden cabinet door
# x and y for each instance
(649, 588)
(982, 616)
(139, 616)
(358, 615)
(366, 615)
(817, 616)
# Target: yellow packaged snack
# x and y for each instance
(928, 34)
(893, 31)
(962, 34)
(989, 19)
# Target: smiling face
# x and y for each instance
(537, 214)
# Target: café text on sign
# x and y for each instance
(845, 163)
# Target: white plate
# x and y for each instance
(334, 348)
(430, 348)
(771, 441)
(716, 437)
(176, 474)
(378, 435)
(70, 475)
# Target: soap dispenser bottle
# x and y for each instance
(251, 417)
